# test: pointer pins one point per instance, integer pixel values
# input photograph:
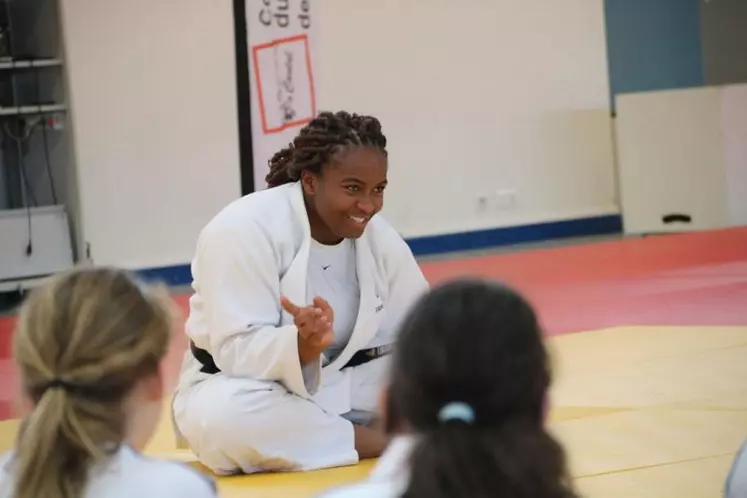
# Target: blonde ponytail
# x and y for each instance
(54, 450)
(82, 343)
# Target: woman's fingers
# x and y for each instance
(323, 305)
(314, 322)
(309, 321)
(289, 306)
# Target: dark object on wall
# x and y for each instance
(724, 33)
(653, 45)
(676, 218)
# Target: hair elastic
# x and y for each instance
(58, 383)
(456, 411)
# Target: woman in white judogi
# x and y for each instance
(298, 291)
(88, 347)
(465, 402)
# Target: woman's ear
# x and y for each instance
(309, 182)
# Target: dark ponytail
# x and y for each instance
(457, 461)
(323, 137)
(469, 379)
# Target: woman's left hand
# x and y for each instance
(314, 323)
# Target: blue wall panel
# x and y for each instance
(653, 44)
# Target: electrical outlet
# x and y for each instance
(504, 199)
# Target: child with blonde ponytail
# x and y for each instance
(89, 345)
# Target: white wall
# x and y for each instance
(152, 90)
(734, 111)
(477, 97)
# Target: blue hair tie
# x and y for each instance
(456, 411)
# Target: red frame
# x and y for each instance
(262, 111)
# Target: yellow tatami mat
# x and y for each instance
(667, 409)
(643, 411)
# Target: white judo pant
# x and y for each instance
(232, 427)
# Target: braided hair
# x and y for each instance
(322, 138)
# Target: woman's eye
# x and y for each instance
(353, 188)
(379, 189)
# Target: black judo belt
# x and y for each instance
(359, 358)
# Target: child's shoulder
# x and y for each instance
(130, 473)
(173, 475)
(365, 489)
(157, 477)
(736, 481)
(5, 459)
(174, 471)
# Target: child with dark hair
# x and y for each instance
(465, 402)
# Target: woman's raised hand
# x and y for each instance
(314, 324)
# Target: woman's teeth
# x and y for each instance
(358, 219)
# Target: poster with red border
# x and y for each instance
(280, 39)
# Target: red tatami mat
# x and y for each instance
(689, 279)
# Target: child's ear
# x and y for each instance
(383, 401)
(153, 385)
(24, 405)
(385, 414)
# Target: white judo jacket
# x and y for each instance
(128, 474)
(255, 251)
(388, 479)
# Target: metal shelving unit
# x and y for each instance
(36, 238)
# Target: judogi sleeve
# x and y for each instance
(238, 279)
